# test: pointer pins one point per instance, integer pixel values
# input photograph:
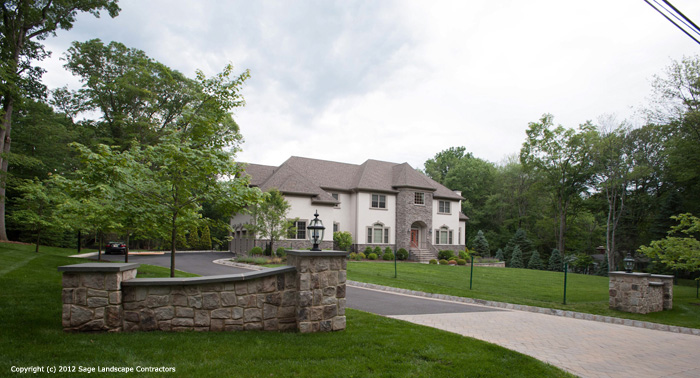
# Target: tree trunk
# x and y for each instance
(5, 149)
(79, 243)
(126, 251)
(172, 245)
(99, 248)
(38, 235)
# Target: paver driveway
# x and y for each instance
(582, 347)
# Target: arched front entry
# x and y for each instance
(418, 235)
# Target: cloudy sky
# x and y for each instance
(402, 80)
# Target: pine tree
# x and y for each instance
(180, 241)
(603, 267)
(193, 238)
(535, 261)
(499, 255)
(520, 239)
(205, 239)
(555, 263)
(516, 261)
(481, 245)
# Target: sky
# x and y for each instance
(402, 80)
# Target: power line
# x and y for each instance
(683, 19)
(681, 13)
(696, 30)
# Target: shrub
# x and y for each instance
(402, 254)
(256, 251)
(452, 262)
(361, 256)
(352, 256)
(535, 261)
(445, 254)
(432, 262)
(281, 252)
(463, 255)
(368, 250)
(461, 262)
(388, 256)
(378, 250)
(372, 256)
(443, 262)
(555, 263)
(499, 255)
(388, 250)
(343, 239)
(481, 245)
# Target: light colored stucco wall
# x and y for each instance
(302, 208)
(344, 213)
(366, 216)
(450, 220)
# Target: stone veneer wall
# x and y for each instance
(640, 293)
(308, 296)
(407, 212)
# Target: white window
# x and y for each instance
(443, 235)
(419, 198)
(444, 207)
(297, 231)
(378, 201)
(377, 234)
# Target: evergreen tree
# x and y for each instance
(555, 263)
(603, 267)
(193, 238)
(481, 245)
(535, 261)
(520, 239)
(516, 260)
(205, 239)
(499, 255)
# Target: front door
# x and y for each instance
(414, 238)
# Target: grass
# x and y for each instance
(372, 346)
(585, 293)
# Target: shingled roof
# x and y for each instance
(315, 177)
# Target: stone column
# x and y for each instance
(320, 279)
(92, 296)
(667, 289)
(639, 293)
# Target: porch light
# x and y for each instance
(316, 232)
(629, 263)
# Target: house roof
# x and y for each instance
(304, 176)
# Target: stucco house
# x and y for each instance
(379, 203)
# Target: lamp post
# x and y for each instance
(629, 263)
(316, 232)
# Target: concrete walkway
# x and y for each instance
(582, 347)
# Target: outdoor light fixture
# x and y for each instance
(629, 263)
(316, 232)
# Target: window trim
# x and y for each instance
(441, 207)
(418, 195)
(296, 235)
(377, 226)
(379, 202)
(449, 235)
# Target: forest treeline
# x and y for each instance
(610, 184)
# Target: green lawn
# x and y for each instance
(585, 293)
(372, 346)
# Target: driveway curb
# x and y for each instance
(539, 310)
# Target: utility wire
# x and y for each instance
(684, 20)
(682, 15)
(671, 21)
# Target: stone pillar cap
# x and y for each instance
(305, 253)
(98, 267)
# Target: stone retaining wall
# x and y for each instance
(308, 295)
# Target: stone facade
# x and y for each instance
(408, 213)
(640, 293)
(308, 296)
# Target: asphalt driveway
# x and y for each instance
(195, 262)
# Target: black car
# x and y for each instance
(115, 247)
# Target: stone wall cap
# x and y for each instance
(656, 284)
(179, 281)
(98, 267)
(661, 276)
(304, 253)
(633, 274)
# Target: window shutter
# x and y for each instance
(369, 235)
